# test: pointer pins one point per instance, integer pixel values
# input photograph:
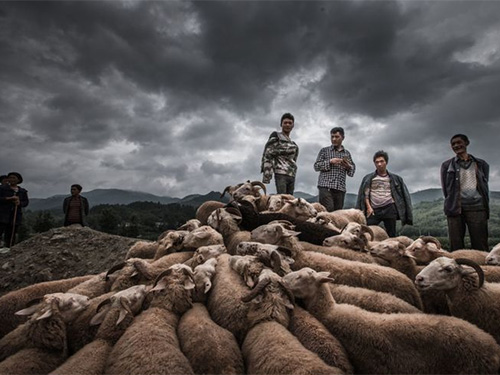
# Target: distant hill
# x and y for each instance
(118, 196)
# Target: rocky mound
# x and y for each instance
(60, 253)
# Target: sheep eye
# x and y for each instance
(447, 269)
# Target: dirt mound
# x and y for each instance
(60, 253)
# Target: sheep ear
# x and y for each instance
(189, 284)
(45, 315)
(289, 306)
(200, 259)
(27, 311)
(98, 318)
(249, 281)
(324, 277)
(208, 285)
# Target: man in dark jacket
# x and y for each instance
(75, 207)
(12, 199)
(383, 197)
(464, 180)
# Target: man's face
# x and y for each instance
(336, 139)
(381, 165)
(287, 125)
(13, 180)
(458, 145)
(74, 191)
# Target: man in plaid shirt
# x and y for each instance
(333, 164)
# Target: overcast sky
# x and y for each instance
(175, 98)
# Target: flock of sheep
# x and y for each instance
(264, 285)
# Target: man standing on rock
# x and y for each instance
(12, 199)
(75, 207)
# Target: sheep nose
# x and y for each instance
(419, 279)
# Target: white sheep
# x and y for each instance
(468, 296)
(150, 345)
(427, 248)
(397, 343)
(209, 348)
(347, 272)
(493, 257)
(45, 331)
(225, 221)
(202, 278)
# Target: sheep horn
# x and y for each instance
(255, 291)
(226, 189)
(259, 183)
(161, 275)
(288, 224)
(367, 229)
(276, 262)
(101, 305)
(477, 267)
(285, 250)
(431, 239)
(115, 268)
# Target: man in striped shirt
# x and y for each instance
(334, 163)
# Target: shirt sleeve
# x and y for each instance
(350, 172)
(322, 163)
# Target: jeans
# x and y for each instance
(332, 199)
(477, 224)
(284, 184)
(388, 215)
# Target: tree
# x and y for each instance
(44, 221)
(108, 221)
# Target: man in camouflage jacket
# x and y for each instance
(280, 157)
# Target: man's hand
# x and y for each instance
(266, 177)
(369, 211)
(337, 161)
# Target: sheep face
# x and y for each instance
(247, 266)
(423, 251)
(69, 306)
(305, 282)
(190, 225)
(171, 242)
(272, 233)
(493, 257)
(300, 208)
(248, 188)
(271, 255)
(203, 275)
(173, 289)
(389, 250)
(219, 216)
(345, 240)
(128, 301)
(204, 253)
(442, 274)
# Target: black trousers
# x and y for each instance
(6, 234)
(284, 184)
(477, 224)
(332, 199)
(386, 214)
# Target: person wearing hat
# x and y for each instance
(12, 199)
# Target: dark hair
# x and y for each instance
(381, 153)
(2, 177)
(79, 187)
(18, 175)
(288, 116)
(338, 129)
(463, 137)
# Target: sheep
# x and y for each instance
(368, 299)
(493, 258)
(272, 256)
(392, 253)
(396, 343)
(206, 208)
(150, 345)
(225, 221)
(224, 300)
(468, 296)
(202, 278)
(277, 201)
(299, 209)
(46, 345)
(347, 272)
(269, 348)
(309, 232)
(209, 348)
(142, 249)
(17, 299)
(170, 243)
(204, 253)
(241, 190)
(427, 248)
(339, 251)
(113, 318)
(340, 218)
(319, 207)
(316, 338)
(190, 225)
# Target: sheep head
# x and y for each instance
(190, 225)
(273, 233)
(203, 274)
(305, 282)
(202, 236)
(299, 208)
(172, 289)
(67, 305)
(275, 257)
(448, 274)
(128, 302)
(493, 258)
(389, 251)
(425, 249)
(270, 300)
